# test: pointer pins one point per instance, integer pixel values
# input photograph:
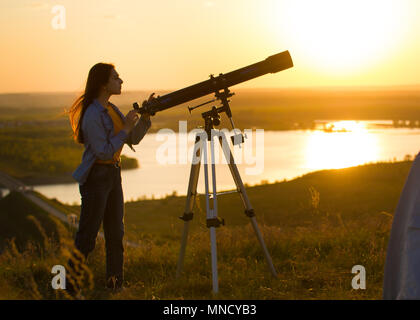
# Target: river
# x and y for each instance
(266, 157)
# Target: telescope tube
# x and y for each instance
(272, 64)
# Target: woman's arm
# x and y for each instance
(139, 131)
(95, 135)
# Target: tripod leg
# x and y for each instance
(212, 216)
(200, 140)
(210, 213)
(249, 211)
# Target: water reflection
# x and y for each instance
(341, 144)
(287, 154)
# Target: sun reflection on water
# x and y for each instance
(341, 144)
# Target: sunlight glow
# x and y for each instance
(344, 35)
(342, 144)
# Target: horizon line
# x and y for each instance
(318, 87)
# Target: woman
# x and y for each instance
(402, 265)
(103, 129)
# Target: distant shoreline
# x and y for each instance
(49, 180)
(68, 179)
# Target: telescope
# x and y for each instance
(220, 87)
(272, 64)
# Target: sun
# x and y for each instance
(340, 35)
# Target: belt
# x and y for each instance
(116, 164)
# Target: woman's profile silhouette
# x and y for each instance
(103, 130)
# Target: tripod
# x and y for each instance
(212, 118)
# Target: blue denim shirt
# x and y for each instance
(100, 141)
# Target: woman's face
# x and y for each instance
(114, 83)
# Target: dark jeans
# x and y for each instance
(102, 200)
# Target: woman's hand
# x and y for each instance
(130, 121)
(131, 118)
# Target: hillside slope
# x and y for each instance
(25, 222)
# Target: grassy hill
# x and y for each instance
(31, 242)
(350, 195)
(316, 227)
(25, 222)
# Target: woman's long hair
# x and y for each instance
(98, 77)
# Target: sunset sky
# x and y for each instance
(168, 44)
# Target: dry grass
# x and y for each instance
(316, 229)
